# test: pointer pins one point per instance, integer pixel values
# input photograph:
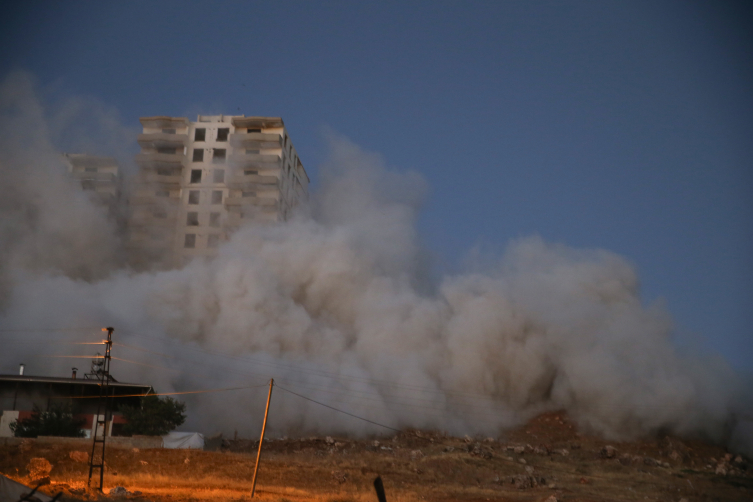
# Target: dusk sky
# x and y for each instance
(626, 126)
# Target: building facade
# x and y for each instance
(98, 176)
(200, 181)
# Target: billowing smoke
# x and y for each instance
(339, 305)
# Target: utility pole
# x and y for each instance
(104, 388)
(261, 439)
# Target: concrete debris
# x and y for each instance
(721, 470)
(608, 452)
(524, 481)
(39, 468)
(119, 491)
(79, 456)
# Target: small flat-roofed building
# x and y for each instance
(19, 394)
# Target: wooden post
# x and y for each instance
(261, 439)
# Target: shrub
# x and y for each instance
(56, 421)
(155, 417)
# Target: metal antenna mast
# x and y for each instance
(104, 387)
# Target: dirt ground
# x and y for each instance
(545, 460)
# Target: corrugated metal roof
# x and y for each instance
(75, 381)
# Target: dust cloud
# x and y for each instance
(339, 304)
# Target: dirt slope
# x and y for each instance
(545, 458)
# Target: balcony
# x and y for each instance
(257, 122)
(90, 176)
(160, 160)
(256, 140)
(162, 140)
(240, 181)
(237, 204)
(255, 161)
(162, 122)
(151, 177)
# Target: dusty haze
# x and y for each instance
(340, 305)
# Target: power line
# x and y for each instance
(338, 410)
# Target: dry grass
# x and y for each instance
(414, 469)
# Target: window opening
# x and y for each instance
(251, 150)
(192, 219)
(250, 171)
(198, 155)
(165, 149)
(190, 241)
(193, 197)
(222, 134)
(253, 130)
(200, 134)
(216, 196)
(219, 155)
(195, 175)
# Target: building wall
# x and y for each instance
(200, 181)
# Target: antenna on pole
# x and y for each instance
(103, 374)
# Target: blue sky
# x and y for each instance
(619, 125)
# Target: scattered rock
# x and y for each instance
(416, 455)
(522, 460)
(529, 469)
(721, 470)
(608, 452)
(186, 461)
(551, 498)
(738, 459)
(564, 452)
(144, 462)
(674, 455)
(39, 468)
(375, 443)
(449, 449)
(519, 449)
(119, 491)
(467, 438)
(650, 461)
(329, 440)
(135, 450)
(489, 440)
(79, 456)
(339, 476)
(523, 481)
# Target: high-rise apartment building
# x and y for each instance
(200, 181)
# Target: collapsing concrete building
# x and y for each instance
(200, 181)
(99, 177)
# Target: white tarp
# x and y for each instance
(13, 491)
(183, 440)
